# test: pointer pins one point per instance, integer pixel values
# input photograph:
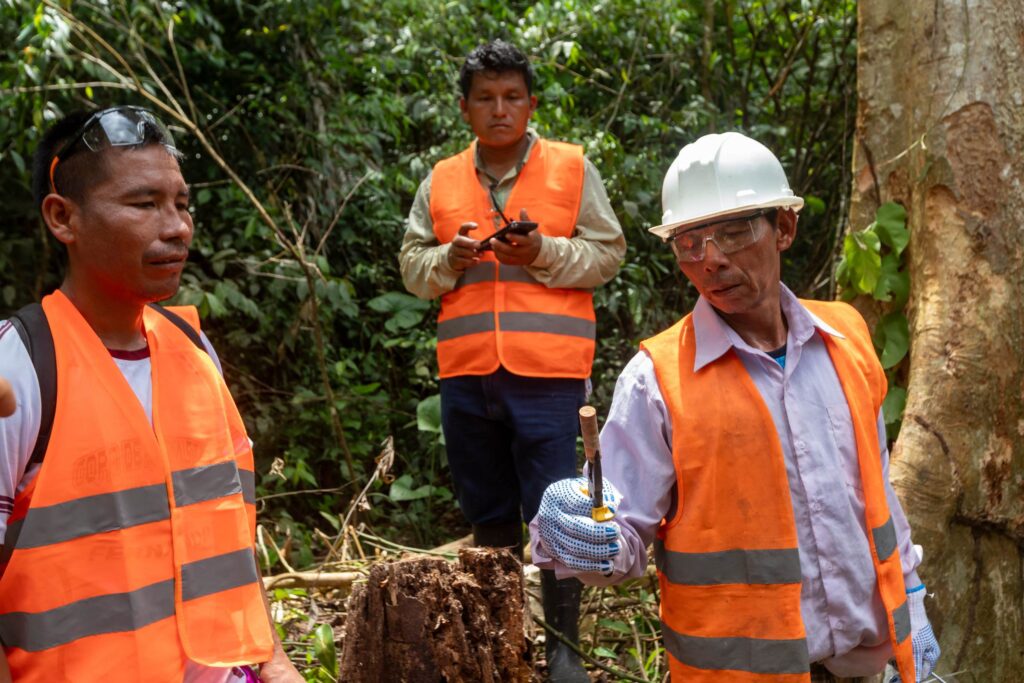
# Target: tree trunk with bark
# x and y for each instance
(426, 620)
(940, 129)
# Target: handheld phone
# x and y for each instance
(514, 227)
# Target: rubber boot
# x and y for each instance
(508, 535)
(562, 611)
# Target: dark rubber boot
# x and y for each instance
(508, 535)
(562, 611)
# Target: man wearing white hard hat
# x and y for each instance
(748, 446)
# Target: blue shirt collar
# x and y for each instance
(714, 337)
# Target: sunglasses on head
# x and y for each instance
(124, 126)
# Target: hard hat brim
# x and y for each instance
(665, 230)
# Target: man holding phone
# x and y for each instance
(516, 328)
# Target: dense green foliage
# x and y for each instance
(873, 265)
(332, 113)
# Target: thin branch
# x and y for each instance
(334, 489)
(384, 462)
(181, 71)
(312, 580)
(337, 214)
(64, 86)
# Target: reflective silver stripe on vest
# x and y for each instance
(754, 655)
(728, 566)
(205, 483)
(885, 539)
(93, 616)
(216, 574)
(901, 621)
(475, 274)
(93, 515)
(463, 325)
(120, 612)
(507, 273)
(248, 479)
(73, 519)
(569, 326)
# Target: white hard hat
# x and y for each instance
(719, 175)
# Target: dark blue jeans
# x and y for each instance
(507, 438)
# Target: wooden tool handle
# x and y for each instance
(588, 425)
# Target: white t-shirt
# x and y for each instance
(18, 435)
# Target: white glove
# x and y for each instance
(925, 646)
(568, 532)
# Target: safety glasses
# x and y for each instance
(729, 236)
(114, 127)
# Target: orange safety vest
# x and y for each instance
(132, 549)
(499, 315)
(728, 559)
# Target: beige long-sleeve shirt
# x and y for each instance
(589, 258)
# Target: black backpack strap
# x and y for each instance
(34, 330)
(182, 325)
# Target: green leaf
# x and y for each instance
(19, 162)
(428, 414)
(331, 519)
(403, 320)
(615, 625)
(393, 302)
(894, 404)
(605, 652)
(364, 389)
(216, 306)
(815, 205)
(893, 284)
(406, 311)
(892, 337)
(886, 275)
(891, 226)
(864, 263)
(324, 649)
(402, 490)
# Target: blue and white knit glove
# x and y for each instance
(568, 532)
(922, 639)
(926, 647)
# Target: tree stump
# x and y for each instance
(425, 620)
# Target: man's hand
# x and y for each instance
(277, 669)
(925, 646)
(280, 669)
(568, 532)
(922, 640)
(520, 250)
(7, 402)
(464, 251)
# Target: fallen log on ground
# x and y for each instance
(312, 580)
(425, 620)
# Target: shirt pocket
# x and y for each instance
(841, 427)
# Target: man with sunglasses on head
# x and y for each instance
(515, 335)
(746, 442)
(126, 477)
